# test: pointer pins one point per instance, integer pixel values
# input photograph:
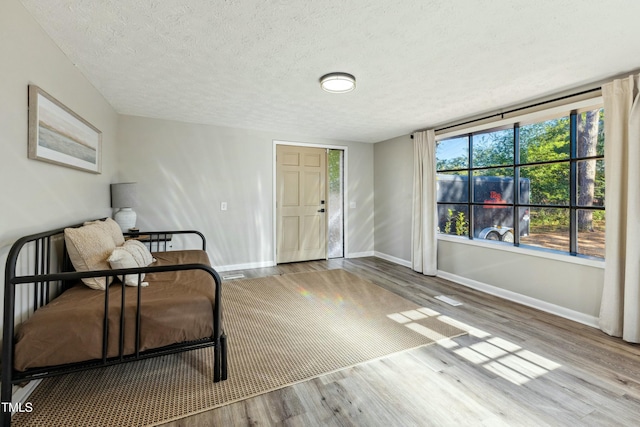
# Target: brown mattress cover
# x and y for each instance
(177, 306)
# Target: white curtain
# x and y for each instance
(620, 307)
(424, 219)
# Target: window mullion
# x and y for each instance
(573, 184)
(516, 184)
(470, 187)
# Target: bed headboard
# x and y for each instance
(37, 254)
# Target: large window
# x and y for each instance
(537, 183)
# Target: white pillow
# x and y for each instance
(121, 257)
(89, 248)
(139, 251)
(112, 228)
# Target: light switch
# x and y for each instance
(352, 205)
(223, 206)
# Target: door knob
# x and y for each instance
(321, 210)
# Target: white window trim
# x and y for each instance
(528, 250)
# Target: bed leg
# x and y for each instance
(5, 397)
(6, 390)
(223, 357)
(220, 359)
(217, 355)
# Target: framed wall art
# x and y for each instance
(58, 135)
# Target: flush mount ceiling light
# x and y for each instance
(338, 82)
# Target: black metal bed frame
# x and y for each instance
(62, 275)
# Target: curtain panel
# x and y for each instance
(424, 221)
(620, 307)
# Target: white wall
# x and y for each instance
(393, 178)
(35, 195)
(566, 288)
(184, 171)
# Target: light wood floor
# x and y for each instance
(518, 367)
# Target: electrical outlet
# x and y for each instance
(223, 206)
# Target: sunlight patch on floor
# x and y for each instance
(474, 332)
(507, 360)
(472, 356)
(427, 332)
(414, 315)
(408, 318)
(397, 317)
(503, 358)
(506, 373)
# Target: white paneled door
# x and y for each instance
(301, 225)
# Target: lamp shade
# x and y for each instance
(124, 195)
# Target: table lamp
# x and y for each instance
(124, 196)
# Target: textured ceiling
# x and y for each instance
(418, 63)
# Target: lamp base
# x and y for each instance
(125, 218)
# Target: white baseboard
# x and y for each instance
(393, 259)
(246, 266)
(522, 299)
(360, 254)
(264, 264)
(21, 394)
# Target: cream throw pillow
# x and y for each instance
(140, 252)
(112, 228)
(89, 247)
(122, 258)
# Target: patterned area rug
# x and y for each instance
(281, 330)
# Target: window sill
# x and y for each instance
(527, 250)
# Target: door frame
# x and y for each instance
(345, 192)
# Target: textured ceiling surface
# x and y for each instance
(418, 63)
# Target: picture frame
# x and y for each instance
(60, 136)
